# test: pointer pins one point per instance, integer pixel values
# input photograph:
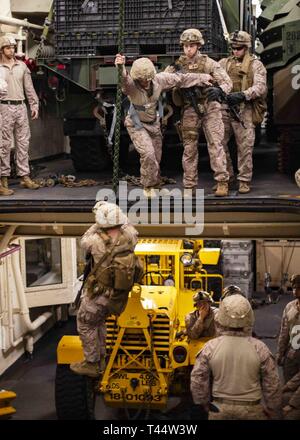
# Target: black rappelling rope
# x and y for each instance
(118, 100)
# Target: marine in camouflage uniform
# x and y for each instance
(210, 110)
(95, 309)
(201, 323)
(14, 113)
(291, 398)
(3, 91)
(287, 355)
(143, 87)
(249, 79)
(235, 371)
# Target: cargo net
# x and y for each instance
(90, 28)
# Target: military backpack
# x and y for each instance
(117, 270)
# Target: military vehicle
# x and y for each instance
(280, 36)
(148, 352)
(81, 71)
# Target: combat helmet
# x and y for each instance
(231, 290)
(191, 36)
(235, 311)
(7, 40)
(240, 38)
(143, 69)
(295, 281)
(297, 177)
(109, 215)
(201, 296)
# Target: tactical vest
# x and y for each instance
(241, 75)
(242, 78)
(184, 65)
(116, 272)
(145, 107)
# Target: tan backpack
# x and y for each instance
(121, 270)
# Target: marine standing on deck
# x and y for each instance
(143, 87)
(111, 235)
(14, 113)
(235, 371)
(248, 75)
(207, 115)
(288, 350)
(3, 91)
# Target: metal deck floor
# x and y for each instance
(267, 181)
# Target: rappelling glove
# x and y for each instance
(235, 98)
(214, 94)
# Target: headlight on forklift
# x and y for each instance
(186, 259)
(179, 354)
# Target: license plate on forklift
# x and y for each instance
(134, 389)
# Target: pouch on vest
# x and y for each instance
(119, 297)
(123, 271)
(259, 108)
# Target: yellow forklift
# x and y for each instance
(149, 356)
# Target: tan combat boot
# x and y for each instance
(222, 189)
(5, 191)
(150, 192)
(244, 187)
(230, 183)
(4, 182)
(26, 182)
(86, 368)
(189, 192)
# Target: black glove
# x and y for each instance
(214, 94)
(235, 98)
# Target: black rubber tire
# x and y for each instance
(89, 153)
(74, 395)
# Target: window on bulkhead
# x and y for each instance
(43, 262)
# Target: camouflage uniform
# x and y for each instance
(197, 327)
(94, 310)
(211, 122)
(291, 397)
(147, 138)
(253, 85)
(15, 118)
(286, 354)
(244, 387)
(3, 92)
(297, 177)
(235, 370)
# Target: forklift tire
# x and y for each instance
(74, 395)
(89, 153)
